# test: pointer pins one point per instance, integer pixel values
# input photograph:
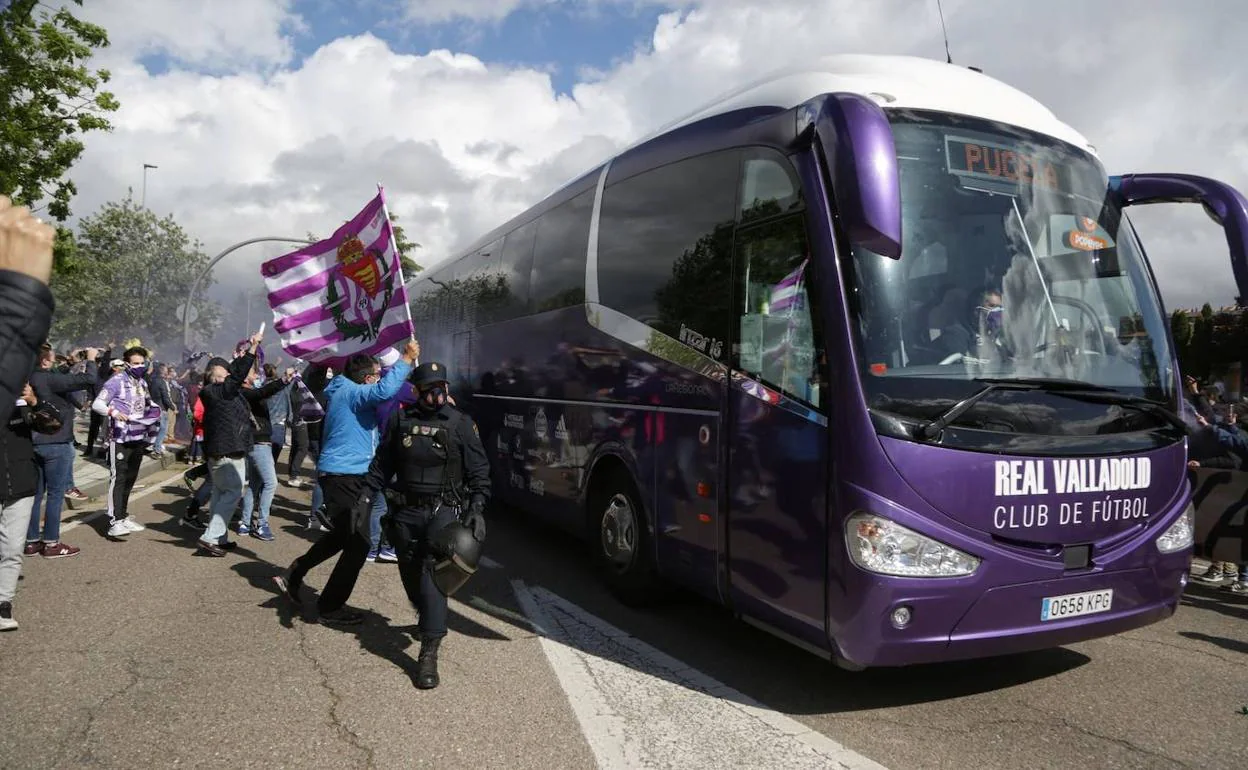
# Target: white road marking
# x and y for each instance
(90, 517)
(639, 707)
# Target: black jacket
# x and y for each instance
(398, 444)
(227, 417)
(26, 307)
(159, 388)
(17, 451)
(54, 388)
(263, 426)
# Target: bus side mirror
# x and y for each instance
(857, 144)
(1223, 203)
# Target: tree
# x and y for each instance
(410, 268)
(48, 98)
(127, 275)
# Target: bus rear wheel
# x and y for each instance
(621, 542)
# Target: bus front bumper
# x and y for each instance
(1007, 619)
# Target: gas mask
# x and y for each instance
(432, 398)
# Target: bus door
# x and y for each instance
(776, 433)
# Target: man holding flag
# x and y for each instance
(349, 440)
(338, 303)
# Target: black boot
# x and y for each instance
(427, 663)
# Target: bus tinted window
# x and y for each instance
(769, 185)
(558, 278)
(514, 272)
(779, 341)
(473, 278)
(665, 245)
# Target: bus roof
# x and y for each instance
(909, 82)
(904, 82)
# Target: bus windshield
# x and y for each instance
(1015, 266)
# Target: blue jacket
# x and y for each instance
(349, 435)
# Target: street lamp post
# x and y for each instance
(190, 298)
(143, 199)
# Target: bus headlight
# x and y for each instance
(880, 545)
(1180, 534)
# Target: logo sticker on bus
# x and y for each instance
(539, 424)
(1063, 476)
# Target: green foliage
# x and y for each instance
(1208, 342)
(401, 242)
(48, 99)
(125, 275)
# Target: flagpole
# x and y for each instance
(398, 259)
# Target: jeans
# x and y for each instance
(14, 518)
(228, 479)
(159, 446)
(261, 482)
(202, 495)
(54, 465)
(278, 436)
(374, 520)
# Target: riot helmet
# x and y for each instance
(456, 555)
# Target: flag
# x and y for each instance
(309, 408)
(788, 294)
(343, 295)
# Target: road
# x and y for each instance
(144, 654)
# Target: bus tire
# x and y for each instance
(620, 538)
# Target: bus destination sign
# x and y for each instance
(1000, 164)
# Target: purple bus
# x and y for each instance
(866, 351)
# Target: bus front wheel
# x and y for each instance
(621, 541)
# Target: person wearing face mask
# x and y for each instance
(349, 439)
(133, 422)
(442, 471)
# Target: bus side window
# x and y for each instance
(769, 186)
(558, 276)
(779, 342)
(665, 250)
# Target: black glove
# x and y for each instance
(475, 520)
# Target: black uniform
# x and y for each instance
(442, 470)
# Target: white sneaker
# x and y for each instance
(118, 529)
(133, 525)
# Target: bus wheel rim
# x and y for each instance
(619, 532)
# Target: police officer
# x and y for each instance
(443, 474)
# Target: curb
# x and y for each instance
(97, 505)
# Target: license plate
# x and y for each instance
(1074, 605)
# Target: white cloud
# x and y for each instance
(442, 11)
(461, 145)
(216, 35)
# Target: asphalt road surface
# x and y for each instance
(144, 654)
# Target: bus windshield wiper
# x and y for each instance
(1074, 389)
(933, 429)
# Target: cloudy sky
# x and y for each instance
(276, 117)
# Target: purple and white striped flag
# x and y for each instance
(342, 295)
(786, 295)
